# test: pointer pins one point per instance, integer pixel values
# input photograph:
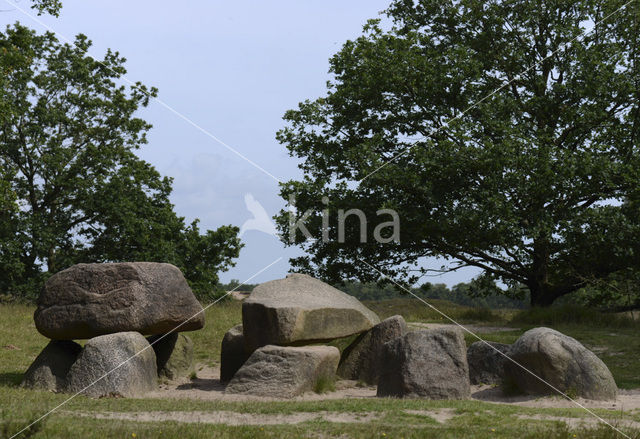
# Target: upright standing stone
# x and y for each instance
(428, 364)
(361, 360)
(88, 300)
(121, 364)
(301, 310)
(486, 362)
(174, 355)
(233, 354)
(49, 370)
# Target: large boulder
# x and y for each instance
(88, 300)
(562, 362)
(425, 364)
(301, 310)
(233, 353)
(121, 364)
(285, 372)
(361, 360)
(174, 355)
(486, 362)
(50, 368)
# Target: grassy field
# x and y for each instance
(615, 341)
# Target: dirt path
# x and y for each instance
(581, 422)
(234, 418)
(208, 387)
(442, 416)
(627, 400)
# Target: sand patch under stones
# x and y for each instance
(207, 387)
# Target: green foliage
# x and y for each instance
(476, 294)
(535, 182)
(468, 294)
(234, 285)
(72, 188)
(47, 6)
(618, 291)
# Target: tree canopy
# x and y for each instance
(505, 134)
(47, 6)
(72, 188)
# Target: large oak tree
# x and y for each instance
(504, 133)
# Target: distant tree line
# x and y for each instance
(620, 292)
(235, 285)
(467, 294)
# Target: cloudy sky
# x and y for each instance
(232, 68)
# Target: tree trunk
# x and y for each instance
(542, 297)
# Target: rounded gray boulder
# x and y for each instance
(88, 300)
(121, 364)
(285, 372)
(301, 310)
(562, 362)
(428, 364)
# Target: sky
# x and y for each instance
(226, 72)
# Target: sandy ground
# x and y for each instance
(627, 401)
(441, 416)
(208, 387)
(235, 418)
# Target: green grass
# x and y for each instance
(618, 347)
(413, 310)
(573, 315)
(219, 319)
(325, 385)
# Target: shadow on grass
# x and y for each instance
(10, 379)
(204, 384)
